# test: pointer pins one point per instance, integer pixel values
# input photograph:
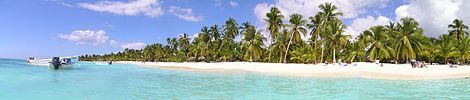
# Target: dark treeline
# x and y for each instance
(397, 42)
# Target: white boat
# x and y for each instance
(62, 62)
(31, 60)
(36, 61)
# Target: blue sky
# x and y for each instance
(46, 28)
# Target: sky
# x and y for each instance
(46, 28)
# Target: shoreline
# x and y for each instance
(362, 70)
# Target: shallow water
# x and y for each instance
(120, 81)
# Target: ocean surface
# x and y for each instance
(20, 81)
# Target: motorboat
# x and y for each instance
(62, 62)
(36, 61)
(31, 60)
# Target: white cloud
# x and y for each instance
(98, 38)
(350, 8)
(360, 24)
(136, 46)
(149, 8)
(86, 37)
(184, 13)
(112, 42)
(307, 8)
(65, 4)
(435, 15)
(233, 3)
(261, 10)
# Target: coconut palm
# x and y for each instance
(315, 25)
(410, 39)
(215, 42)
(253, 42)
(336, 39)
(231, 28)
(446, 49)
(427, 51)
(149, 54)
(214, 32)
(173, 43)
(227, 50)
(274, 19)
(458, 29)
(183, 47)
(184, 42)
(227, 47)
(280, 44)
(328, 13)
(377, 37)
(202, 44)
(355, 52)
(464, 49)
(297, 28)
(303, 53)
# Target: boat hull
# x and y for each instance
(62, 66)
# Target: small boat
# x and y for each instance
(31, 60)
(62, 62)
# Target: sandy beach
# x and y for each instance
(359, 70)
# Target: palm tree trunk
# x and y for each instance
(313, 48)
(288, 45)
(445, 59)
(334, 55)
(269, 50)
(251, 57)
(321, 60)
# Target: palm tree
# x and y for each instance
(336, 39)
(183, 45)
(355, 51)
(227, 47)
(214, 32)
(280, 44)
(253, 42)
(231, 28)
(274, 19)
(149, 52)
(328, 12)
(184, 42)
(377, 37)
(157, 50)
(315, 25)
(446, 49)
(458, 29)
(464, 49)
(202, 44)
(410, 39)
(303, 53)
(297, 27)
(215, 42)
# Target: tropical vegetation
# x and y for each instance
(319, 38)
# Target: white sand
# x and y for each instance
(362, 70)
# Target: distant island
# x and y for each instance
(320, 38)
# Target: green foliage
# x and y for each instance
(396, 42)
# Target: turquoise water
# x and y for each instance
(19, 81)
